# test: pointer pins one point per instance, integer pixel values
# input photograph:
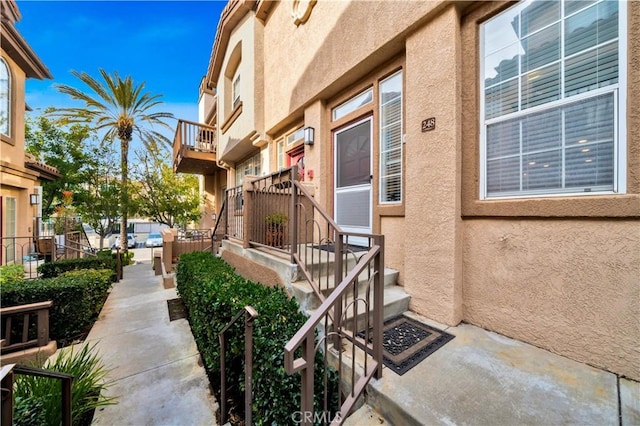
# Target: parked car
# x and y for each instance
(131, 241)
(154, 240)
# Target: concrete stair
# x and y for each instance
(396, 300)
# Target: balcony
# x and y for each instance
(194, 148)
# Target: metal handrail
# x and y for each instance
(305, 339)
(250, 314)
(334, 269)
(214, 232)
(6, 374)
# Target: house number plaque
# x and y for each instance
(428, 124)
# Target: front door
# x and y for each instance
(352, 200)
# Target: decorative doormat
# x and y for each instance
(177, 310)
(331, 247)
(407, 342)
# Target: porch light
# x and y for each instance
(33, 199)
(308, 135)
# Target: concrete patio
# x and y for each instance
(483, 378)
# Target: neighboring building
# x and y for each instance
(20, 173)
(495, 145)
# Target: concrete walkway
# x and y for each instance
(155, 365)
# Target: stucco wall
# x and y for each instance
(245, 124)
(570, 286)
(14, 153)
(394, 231)
(341, 42)
(432, 259)
(16, 180)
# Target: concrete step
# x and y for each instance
(396, 301)
(365, 416)
(303, 291)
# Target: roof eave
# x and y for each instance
(21, 53)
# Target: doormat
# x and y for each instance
(407, 342)
(332, 247)
(177, 310)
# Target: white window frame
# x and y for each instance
(3, 63)
(620, 123)
(235, 91)
(10, 228)
(382, 149)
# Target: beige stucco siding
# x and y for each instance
(341, 42)
(433, 264)
(244, 125)
(570, 286)
(394, 231)
(13, 152)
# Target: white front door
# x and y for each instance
(352, 199)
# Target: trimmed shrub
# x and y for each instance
(213, 293)
(102, 261)
(11, 273)
(77, 299)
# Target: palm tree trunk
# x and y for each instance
(124, 194)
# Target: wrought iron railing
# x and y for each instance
(249, 315)
(234, 201)
(345, 270)
(32, 252)
(347, 328)
(219, 231)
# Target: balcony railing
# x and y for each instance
(194, 148)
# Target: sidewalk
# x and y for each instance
(155, 368)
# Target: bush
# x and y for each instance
(11, 273)
(77, 299)
(102, 261)
(38, 398)
(213, 293)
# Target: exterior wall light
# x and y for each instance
(33, 199)
(308, 135)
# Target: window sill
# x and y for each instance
(7, 139)
(232, 118)
(603, 206)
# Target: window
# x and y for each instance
(352, 104)
(5, 98)
(235, 96)
(296, 136)
(252, 166)
(280, 154)
(10, 229)
(391, 139)
(553, 99)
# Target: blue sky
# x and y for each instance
(166, 44)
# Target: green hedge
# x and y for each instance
(77, 299)
(11, 273)
(213, 293)
(104, 260)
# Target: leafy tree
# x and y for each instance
(101, 206)
(119, 108)
(164, 196)
(62, 148)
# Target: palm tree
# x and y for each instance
(119, 108)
